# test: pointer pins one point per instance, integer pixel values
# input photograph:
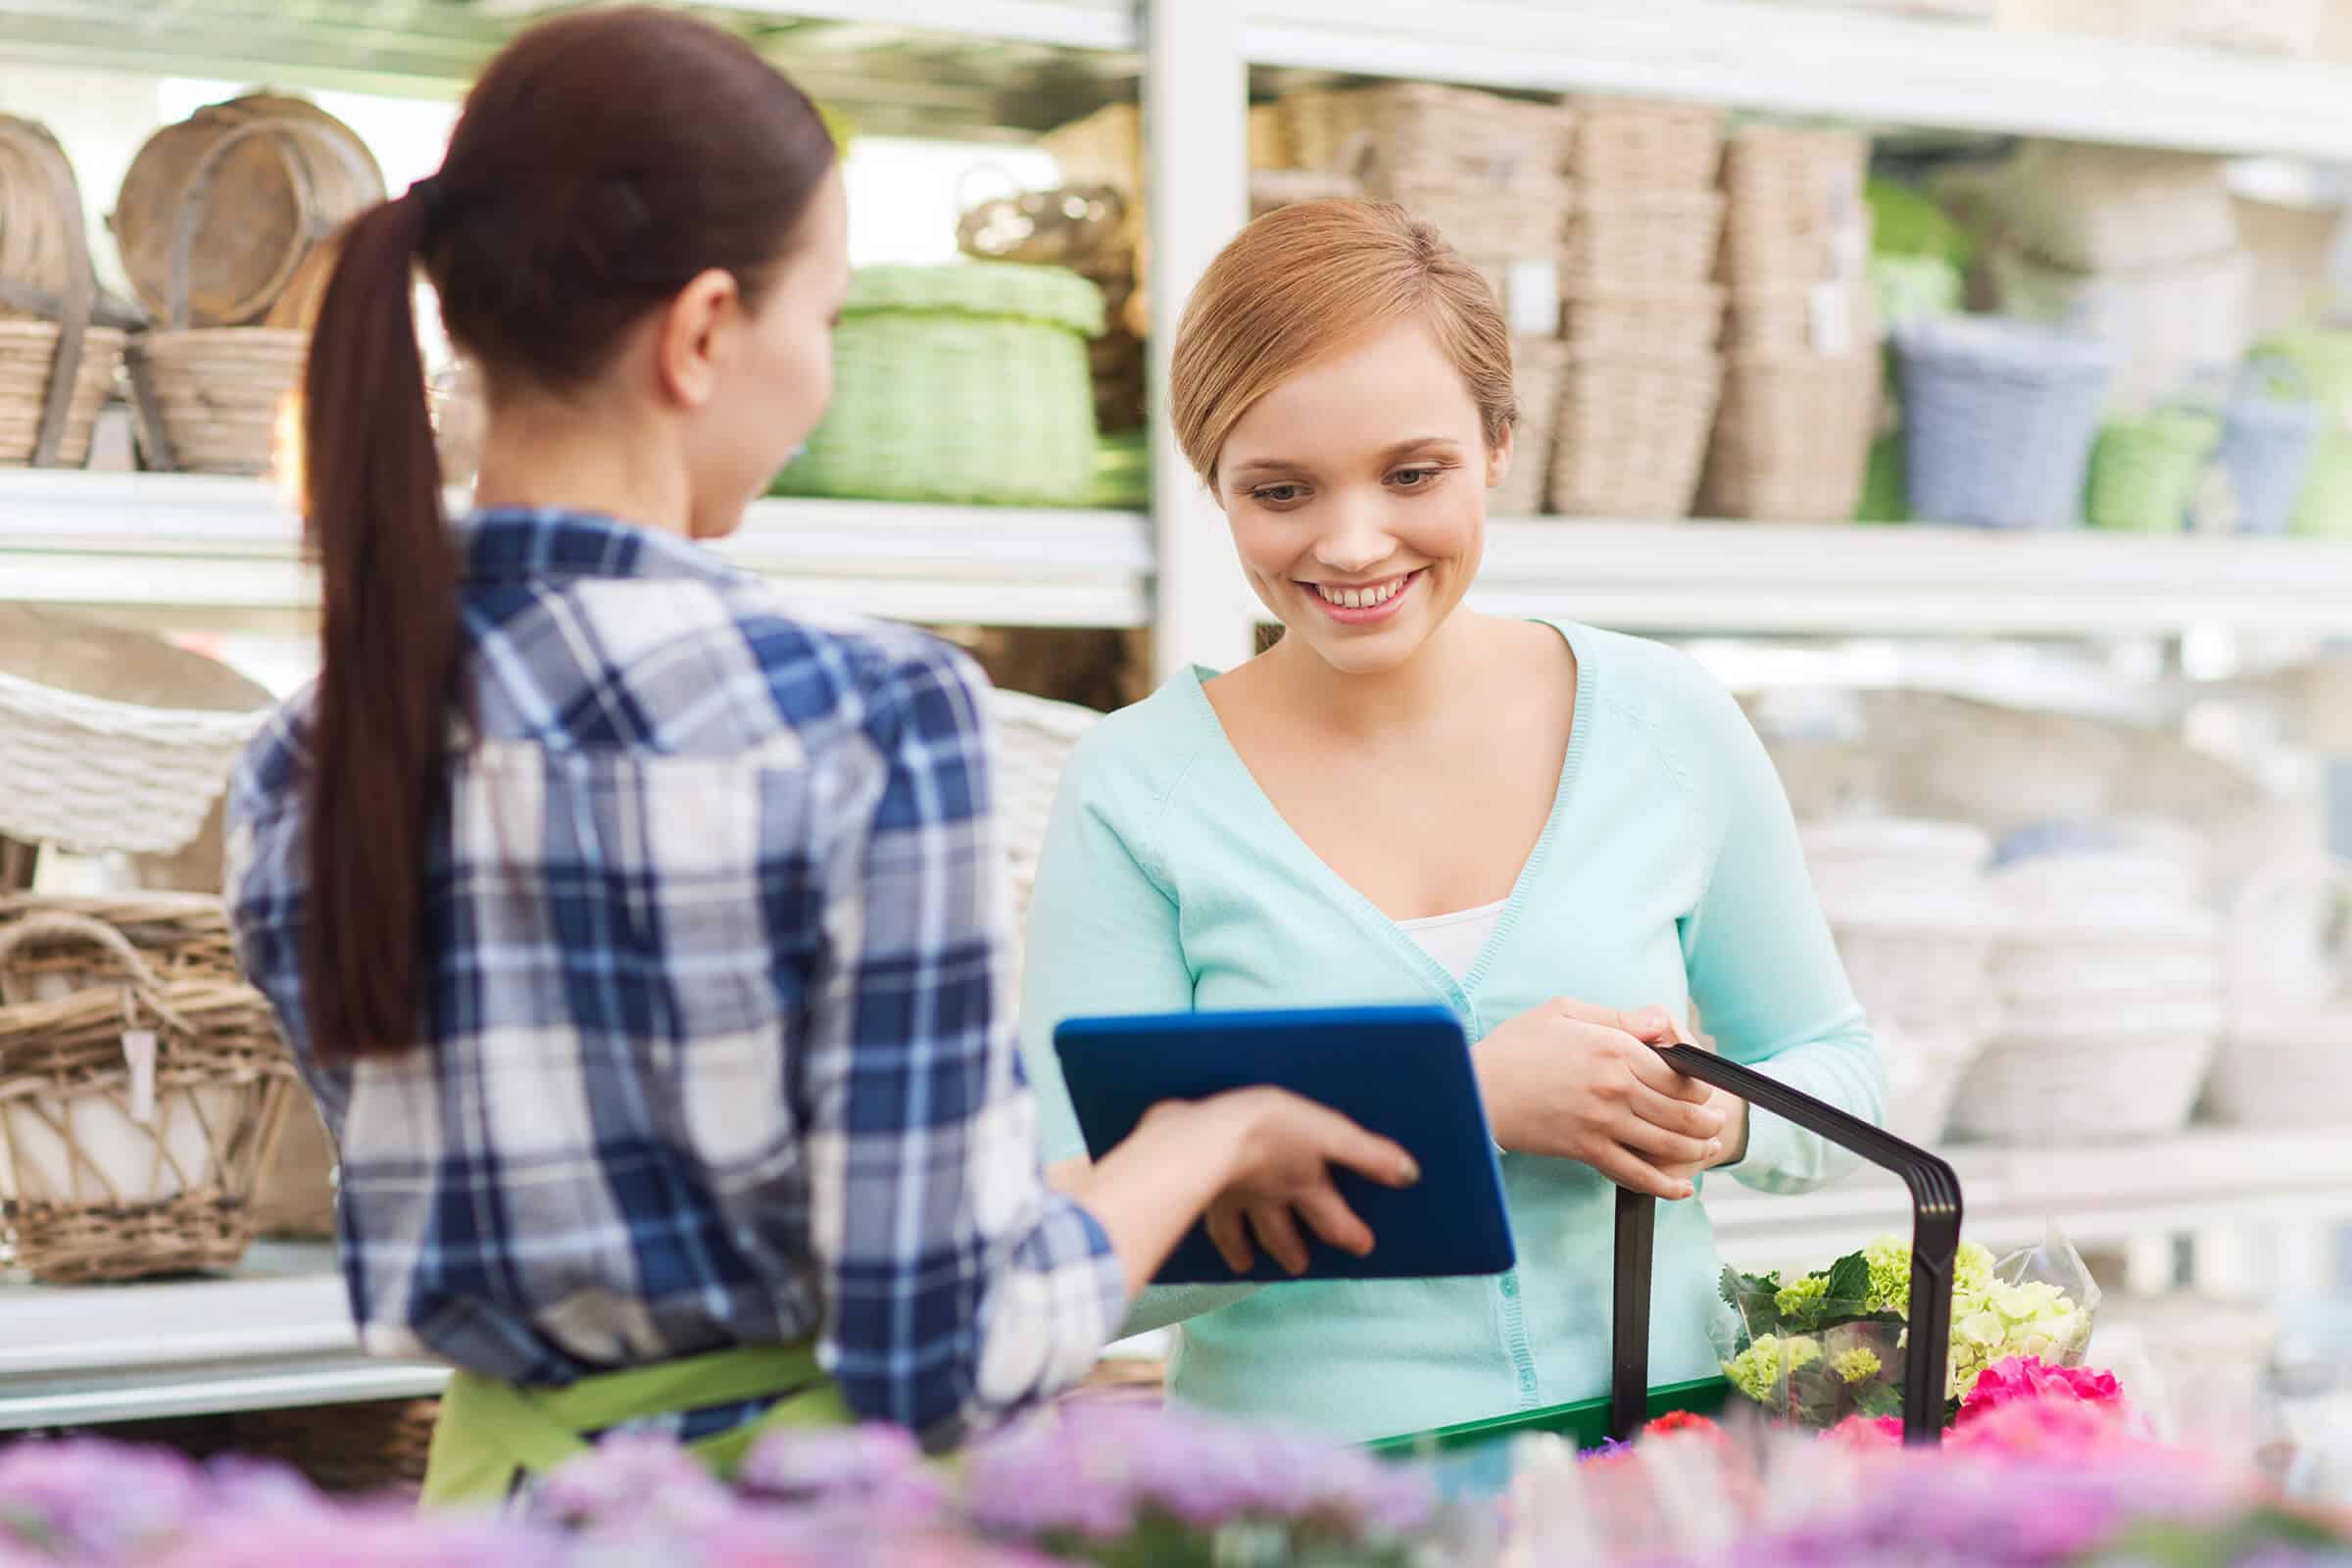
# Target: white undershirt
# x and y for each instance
(1455, 940)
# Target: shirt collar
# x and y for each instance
(508, 544)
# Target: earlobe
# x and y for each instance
(688, 344)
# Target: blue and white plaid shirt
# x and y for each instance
(721, 1038)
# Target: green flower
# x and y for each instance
(1889, 1263)
(1794, 1299)
(1763, 1367)
(1972, 1268)
(1857, 1365)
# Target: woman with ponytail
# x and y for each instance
(641, 940)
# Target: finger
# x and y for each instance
(1690, 1119)
(1662, 1148)
(1277, 1233)
(1367, 1153)
(1653, 1026)
(1328, 1215)
(1630, 1170)
(1651, 1069)
(1232, 1238)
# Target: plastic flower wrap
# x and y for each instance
(1826, 1348)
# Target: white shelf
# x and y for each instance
(1910, 580)
(276, 1333)
(1833, 63)
(199, 551)
(2098, 1195)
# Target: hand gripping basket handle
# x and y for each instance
(1935, 1243)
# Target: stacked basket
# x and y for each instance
(1801, 379)
(59, 341)
(1639, 314)
(2108, 974)
(219, 220)
(1906, 902)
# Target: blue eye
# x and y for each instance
(1413, 478)
(1277, 495)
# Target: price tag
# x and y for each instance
(1532, 298)
(138, 1053)
(1831, 318)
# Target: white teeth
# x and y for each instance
(1361, 598)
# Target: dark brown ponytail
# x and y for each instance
(371, 481)
(602, 163)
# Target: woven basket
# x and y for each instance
(1034, 739)
(966, 384)
(376, 1447)
(1793, 438)
(1504, 223)
(2173, 321)
(1923, 1071)
(2270, 431)
(1652, 321)
(61, 339)
(1538, 365)
(1618, 237)
(1415, 131)
(220, 396)
(1630, 145)
(2092, 209)
(1837, 319)
(2089, 1086)
(1795, 212)
(218, 211)
(2144, 472)
(121, 1165)
(1998, 420)
(1631, 435)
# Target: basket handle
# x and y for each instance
(1935, 1245)
(55, 924)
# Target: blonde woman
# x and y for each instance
(1570, 836)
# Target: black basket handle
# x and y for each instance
(1935, 1244)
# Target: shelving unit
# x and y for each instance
(202, 553)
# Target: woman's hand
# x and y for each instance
(1282, 1149)
(1573, 1081)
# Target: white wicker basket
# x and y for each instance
(2171, 320)
(1033, 738)
(1920, 975)
(2058, 1086)
(1923, 1071)
(2099, 209)
(94, 777)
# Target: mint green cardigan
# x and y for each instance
(1669, 873)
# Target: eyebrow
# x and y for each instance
(1388, 454)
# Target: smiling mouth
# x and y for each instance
(1362, 601)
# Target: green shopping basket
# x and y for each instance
(1631, 1402)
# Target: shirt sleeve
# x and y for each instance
(1764, 971)
(1102, 940)
(959, 1286)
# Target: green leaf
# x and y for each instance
(1849, 1279)
(1752, 1296)
(1876, 1399)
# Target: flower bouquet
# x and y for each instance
(1827, 1347)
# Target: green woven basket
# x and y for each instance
(965, 384)
(2144, 472)
(2325, 357)
(2326, 510)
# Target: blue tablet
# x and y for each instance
(1403, 1073)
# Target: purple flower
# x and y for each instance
(92, 1502)
(364, 1536)
(632, 1480)
(875, 1468)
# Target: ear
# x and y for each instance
(688, 343)
(1499, 456)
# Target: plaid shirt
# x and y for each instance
(721, 1048)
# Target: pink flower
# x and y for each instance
(2063, 1428)
(2022, 1379)
(1866, 1432)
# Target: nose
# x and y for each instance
(1357, 538)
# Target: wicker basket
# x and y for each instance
(376, 1447)
(2084, 1086)
(144, 1085)
(2172, 321)
(1401, 133)
(1621, 237)
(1631, 435)
(1661, 321)
(1033, 738)
(216, 400)
(218, 211)
(1630, 145)
(1998, 420)
(1837, 319)
(1793, 438)
(2092, 209)
(965, 384)
(1537, 368)
(2144, 472)
(1795, 212)
(60, 341)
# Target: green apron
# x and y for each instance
(489, 1432)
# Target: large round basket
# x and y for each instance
(142, 1086)
(218, 211)
(57, 360)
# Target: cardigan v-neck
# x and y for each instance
(1669, 873)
